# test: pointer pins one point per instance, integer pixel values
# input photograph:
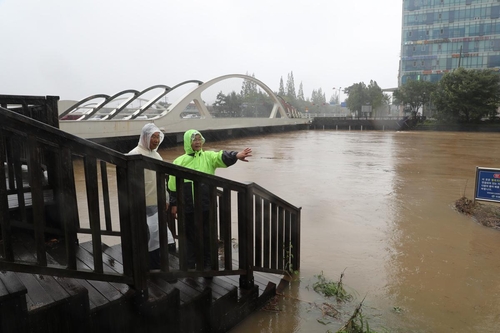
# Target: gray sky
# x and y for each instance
(74, 49)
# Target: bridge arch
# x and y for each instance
(83, 101)
(115, 111)
(195, 95)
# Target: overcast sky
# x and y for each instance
(74, 49)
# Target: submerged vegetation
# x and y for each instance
(289, 269)
(356, 322)
(330, 288)
(338, 313)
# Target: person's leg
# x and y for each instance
(154, 259)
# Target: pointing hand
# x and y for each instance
(242, 155)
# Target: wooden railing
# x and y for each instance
(41, 108)
(94, 192)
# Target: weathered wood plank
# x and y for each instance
(10, 286)
(13, 308)
(90, 166)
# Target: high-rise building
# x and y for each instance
(439, 36)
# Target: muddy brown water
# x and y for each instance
(378, 206)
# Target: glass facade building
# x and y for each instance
(441, 35)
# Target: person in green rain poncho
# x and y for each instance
(204, 161)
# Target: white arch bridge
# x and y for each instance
(125, 123)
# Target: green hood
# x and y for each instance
(188, 140)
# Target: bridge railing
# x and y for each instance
(90, 192)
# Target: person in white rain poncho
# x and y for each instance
(149, 141)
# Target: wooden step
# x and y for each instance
(217, 303)
(13, 308)
(192, 304)
(113, 306)
(53, 304)
(203, 302)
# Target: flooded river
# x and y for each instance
(378, 206)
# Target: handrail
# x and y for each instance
(267, 228)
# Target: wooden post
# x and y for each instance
(245, 233)
(4, 206)
(296, 240)
(35, 174)
(52, 111)
(133, 224)
(67, 203)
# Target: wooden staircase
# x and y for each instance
(64, 286)
(40, 303)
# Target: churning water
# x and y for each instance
(378, 206)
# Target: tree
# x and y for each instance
(318, 101)
(413, 95)
(376, 96)
(249, 88)
(334, 100)
(281, 91)
(227, 105)
(290, 87)
(300, 95)
(357, 96)
(467, 95)
(318, 97)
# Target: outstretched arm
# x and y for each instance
(242, 155)
(231, 157)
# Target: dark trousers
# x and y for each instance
(154, 259)
(192, 242)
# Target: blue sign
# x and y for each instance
(343, 104)
(487, 184)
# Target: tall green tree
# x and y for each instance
(318, 101)
(466, 96)
(375, 95)
(249, 88)
(290, 87)
(357, 97)
(334, 100)
(318, 97)
(414, 94)
(228, 105)
(281, 90)
(300, 94)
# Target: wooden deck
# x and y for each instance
(41, 303)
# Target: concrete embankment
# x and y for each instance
(126, 143)
(495, 127)
(390, 124)
(398, 124)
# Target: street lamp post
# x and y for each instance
(337, 95)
